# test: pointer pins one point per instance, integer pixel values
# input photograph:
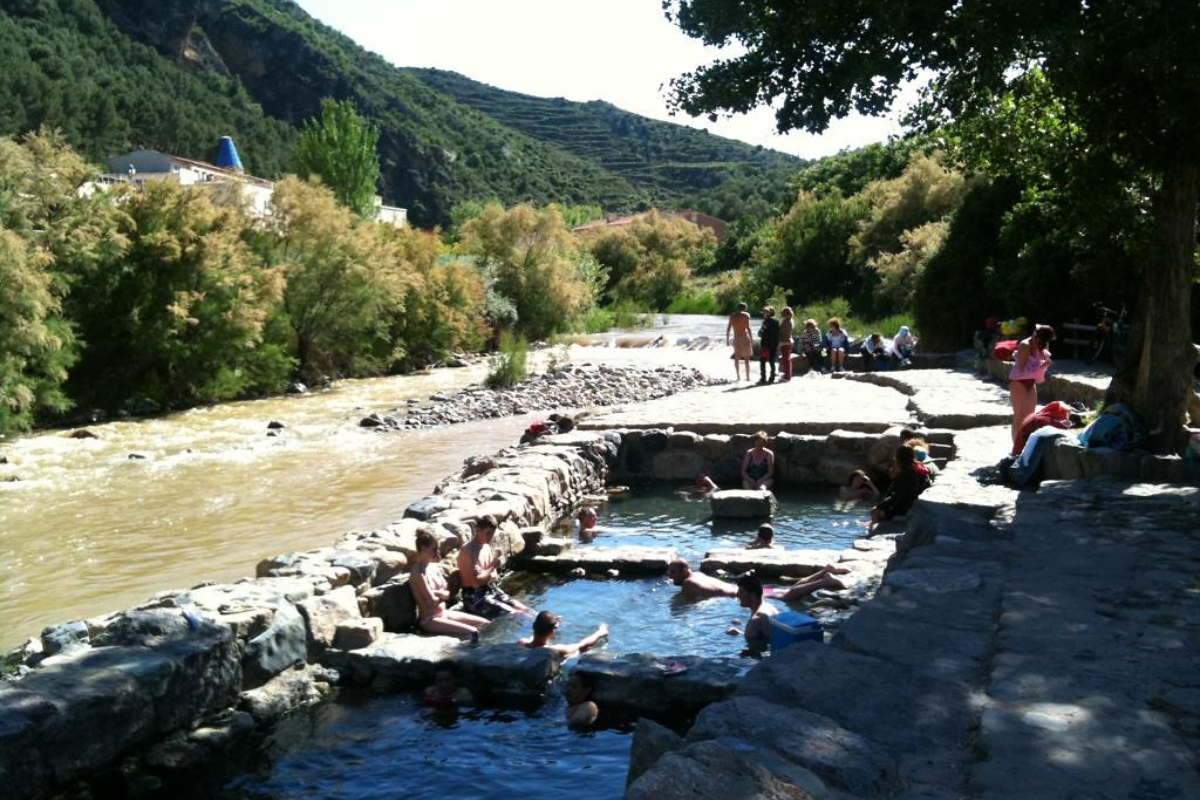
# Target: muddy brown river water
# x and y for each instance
(87, 530)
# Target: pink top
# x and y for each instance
(1036, 362)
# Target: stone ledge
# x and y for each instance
(639, 683)
(630, 560)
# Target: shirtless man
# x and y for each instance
(765, 540)
(743, 340)
(544, 627)
(696, 585)
(587, 524)
(445, 692)
(758, 627)
(821, 579)
(478, 563)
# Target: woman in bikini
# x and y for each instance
(758, 465)
(431, 592)
(1028, 370)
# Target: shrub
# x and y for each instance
(510, 365)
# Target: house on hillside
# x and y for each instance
(139, 166)
(697, 218)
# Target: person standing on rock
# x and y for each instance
(478, 565)
(768, 345)
(696, 585)
(1028, 370)
(431, 592)
(743, 340)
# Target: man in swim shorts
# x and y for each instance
(743, 340)
(478, 565)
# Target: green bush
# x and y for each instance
(696, 303)
(510, 365)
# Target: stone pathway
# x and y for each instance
(1022, 645)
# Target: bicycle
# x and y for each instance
(1111, 337)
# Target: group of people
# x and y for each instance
(483, 601)
(777, 339)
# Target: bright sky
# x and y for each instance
(620, 51)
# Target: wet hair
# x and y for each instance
(586, 680)
(587, 511)
(426, 539)
(761, 436)
(834, 322)
(545, 623)
(678, 565)
(751, 583)
(904, 455)
(766, 531)
(857, 473)
(1044, 334)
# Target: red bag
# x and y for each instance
(1006, 350)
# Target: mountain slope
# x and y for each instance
(676, 159)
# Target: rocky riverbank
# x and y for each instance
(567, 387)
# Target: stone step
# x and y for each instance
(629, 560)
(661, 686)
(769, 564)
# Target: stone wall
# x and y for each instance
(651, 456)
(180, 680)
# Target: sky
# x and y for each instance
(620, 51)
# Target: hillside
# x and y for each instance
(175, 75)
(675, 159)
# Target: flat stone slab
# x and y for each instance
(743, 504)
(774, 563)
(630, 560)
(817, 405)
(676, 686)
(406, 662)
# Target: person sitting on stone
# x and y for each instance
(695, 585)
(758, 464)
(478, 568)
(811, 345)
(445, 691)
(903, 345)
(582, 711)
(874, 351)
(910, 479)
(920, 450)
(758, 627)
(545, 625)
(431, 592)
(765, 540)
(859, 486)
(821, 579)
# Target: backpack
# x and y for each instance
(1118, 427)
(1006, 350)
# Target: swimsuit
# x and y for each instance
(757, 470)
(436, 581)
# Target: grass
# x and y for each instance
(511, 364)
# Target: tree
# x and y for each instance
(1127, 72)
(341, 148)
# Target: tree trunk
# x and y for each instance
(1156, 378)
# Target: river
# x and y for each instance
(87, 529)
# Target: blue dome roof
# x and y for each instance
(227, 154)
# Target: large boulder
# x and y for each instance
(743, 504)
(711, 771)
(281, 646)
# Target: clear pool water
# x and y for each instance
(391, 748)
(807, 518)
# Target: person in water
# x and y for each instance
(478, 569)
(445, 691)
(587, 524)
(859, 486)
(758, 627)
(765, 540)
(545, 625)
(431, 592)
(695, 585)
(758, 464)
(582, 711)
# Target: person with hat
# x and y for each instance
(903, 345)
(545, 625)
(478, 568)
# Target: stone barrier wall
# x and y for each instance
(651, 456)
(138, 699)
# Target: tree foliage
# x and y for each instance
(1128, 75)
(530, 258)
(649, 260)
(341, 148)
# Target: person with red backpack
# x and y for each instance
(1029, 369)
